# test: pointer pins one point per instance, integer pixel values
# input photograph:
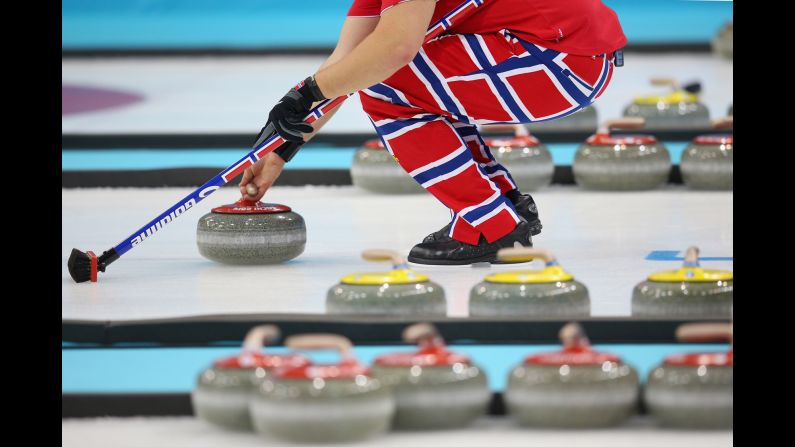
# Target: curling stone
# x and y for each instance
(550, 292)
(723, 43)
(223, 391)
(708, 161)
(400, 291)
(689, 292)
(678, 109)
(529, 161)
(572, 388)
(434, 388)
(338, 402)
(621, 162)
(694, 390)
(583, 120)
(375, 169)
(248, 232)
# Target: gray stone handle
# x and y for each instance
(702, 332)
(321, 341)
(524, 254)
(258, 335)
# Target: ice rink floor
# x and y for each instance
(602, 238)
(191, 432)
(234, 94)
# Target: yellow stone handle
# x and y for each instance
(524, 254)
(420, 331)
(572, 334)
(665, 81)
(691, 255)
(258, 335)
(701, 332)
(726, 122)
(321, 341)
(382, 254)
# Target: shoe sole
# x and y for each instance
(481, 260)
(492, 259)
(535, 230)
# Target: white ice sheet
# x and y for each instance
(602, 238)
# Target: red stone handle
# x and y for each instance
(422, 333)
(519, 130)
(727, 122)
(629, 122)
(321, 341)
(258, 335)
(573, 335)
(703, 332)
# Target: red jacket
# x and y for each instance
(581, 27)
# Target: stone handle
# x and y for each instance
(727, 122)
(419, 332)
(380, 254)
(572, 334)
(321, 341)
(246, 202)
(519, 130)
(691, 256)
(258, 335)
(524, 254)
(701, 332)
(665, 81)
(630, 122)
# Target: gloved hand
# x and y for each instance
(288, 115)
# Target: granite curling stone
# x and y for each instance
(583, 120)
(549, 292)
(336, 402)
(708, 161)
(723, 43)
(573, 388)
(688, 292)
(251, 233)
(400, 291)
(529, 162)
(679, 109)
(374, 169)
(223, 391)
(621, 162)
(434, 388)
(695, 390)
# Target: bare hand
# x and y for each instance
(261, 176)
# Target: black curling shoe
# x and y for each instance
(525, 207)
(448, 251)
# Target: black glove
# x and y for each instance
(287, 150)
(288, 115)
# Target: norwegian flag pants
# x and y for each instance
(426, 115)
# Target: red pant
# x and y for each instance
(426, 114)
